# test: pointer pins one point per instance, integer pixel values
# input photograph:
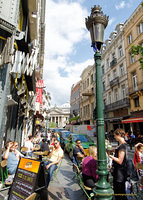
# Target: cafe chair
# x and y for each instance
(55, 173)
(45, 153)
(24, 151)
(4, 171)
(87, 190)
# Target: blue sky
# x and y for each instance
(67, 41)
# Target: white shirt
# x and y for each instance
(29, 145)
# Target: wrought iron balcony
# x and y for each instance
(114, 82)
(113, 62)
(118, 104)
(139, 87)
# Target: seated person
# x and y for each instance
(54, 158)
(15, 150)
(89, 167)
(29, 145)
(78, 151)
(44, 146)
(9, 155)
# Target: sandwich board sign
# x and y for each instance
(30, 176)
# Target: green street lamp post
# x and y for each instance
(96, 23)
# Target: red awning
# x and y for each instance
(133, 120)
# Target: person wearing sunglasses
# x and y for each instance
(15, 150)
(78, 153)
(53, 160)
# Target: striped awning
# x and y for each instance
(133, 120)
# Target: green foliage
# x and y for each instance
(52, 125)
(74, 119)
(138, 50)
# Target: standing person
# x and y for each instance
(78, 151)
(49, 136)
(89, 167)
(54, 158)
(119, 165)
(138, 158)
(132, 140)
(9, 155)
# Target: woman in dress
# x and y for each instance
(119, 165)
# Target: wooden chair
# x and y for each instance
(4, 171)
(24, 149)
(81, 184)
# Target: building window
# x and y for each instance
(109, 98)
(108, 79)
(122, 72)
(87, 82)
(104, 103)
(114, 73)
(103, 86)
(130, 39)
(132, 58)
(136, 102)
(113, 56)
(115, 95)
(123, 91)
(140, 28)
(107, 63)
(120, 51)
(103, 70)
(91, 79)
(134, 81)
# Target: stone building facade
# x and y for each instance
(60, 115)
(133, 35)
(87, 95)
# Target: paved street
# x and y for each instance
(65, 187)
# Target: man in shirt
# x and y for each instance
(9, 155)
(54, 158)
(78, 152)
(29, 145)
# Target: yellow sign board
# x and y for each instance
(29, 165)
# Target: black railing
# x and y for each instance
(114, 82)
(113, 62)
(118, 104)
(138, 88)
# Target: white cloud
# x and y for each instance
(111, 21)
(120, 6)
(59, 86)
(65, 28)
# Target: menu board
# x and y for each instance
(25, 179)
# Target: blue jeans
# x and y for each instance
(51, 169)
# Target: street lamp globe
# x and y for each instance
(96, 23)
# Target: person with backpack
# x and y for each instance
(119, 165)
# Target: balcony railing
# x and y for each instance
(138, 88)
(113, 62)
(114, 82)
(118, 104)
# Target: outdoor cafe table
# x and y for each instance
(40, 154)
